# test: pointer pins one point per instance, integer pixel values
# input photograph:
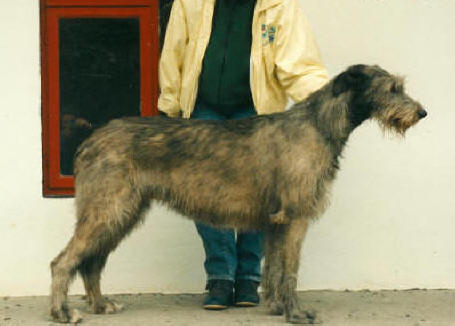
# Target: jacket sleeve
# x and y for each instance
(171, 61)
(297, 59)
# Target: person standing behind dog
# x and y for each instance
(232, 59)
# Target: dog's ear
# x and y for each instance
(352, 79)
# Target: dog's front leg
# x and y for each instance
(278, 218)
(283, 245)
(272, 273)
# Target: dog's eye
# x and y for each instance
(396, 88)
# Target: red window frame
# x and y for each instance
(55, 184)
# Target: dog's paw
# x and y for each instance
(278, 218)
(107, 307)
(64, 316)
(113, 307)
(275, 308)
(76, 316)
(305, 317)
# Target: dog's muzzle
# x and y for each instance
(422, 113)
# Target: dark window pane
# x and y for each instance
(165, 12)
(99, 78)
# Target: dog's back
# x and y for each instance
(215, 172)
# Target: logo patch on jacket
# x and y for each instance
(268, 34)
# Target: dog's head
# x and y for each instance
(373, 92)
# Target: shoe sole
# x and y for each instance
(245, 304)
(214, 307)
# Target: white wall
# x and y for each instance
(391, 223)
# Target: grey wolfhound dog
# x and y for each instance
(269, 173)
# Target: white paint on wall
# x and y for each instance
(391, 223)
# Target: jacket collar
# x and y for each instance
(266, 4)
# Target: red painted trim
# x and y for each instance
(98, 12)
(44, 100)
(55, 184)
(53, 71)
(99, 3)
(149, 62)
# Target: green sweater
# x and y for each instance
(224, 83)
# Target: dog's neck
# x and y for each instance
(331, 116)
(334, 117)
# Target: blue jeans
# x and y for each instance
(229, 257)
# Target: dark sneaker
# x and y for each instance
(219, 296)
(246, 293)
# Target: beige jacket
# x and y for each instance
(285, 60)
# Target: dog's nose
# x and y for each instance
(422, 113)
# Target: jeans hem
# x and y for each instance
(249, 278)
(220, 277)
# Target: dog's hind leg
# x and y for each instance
(90, 270)
(63, 268)
(87, 253)
(102, 226)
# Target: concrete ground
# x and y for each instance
(381, 308)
